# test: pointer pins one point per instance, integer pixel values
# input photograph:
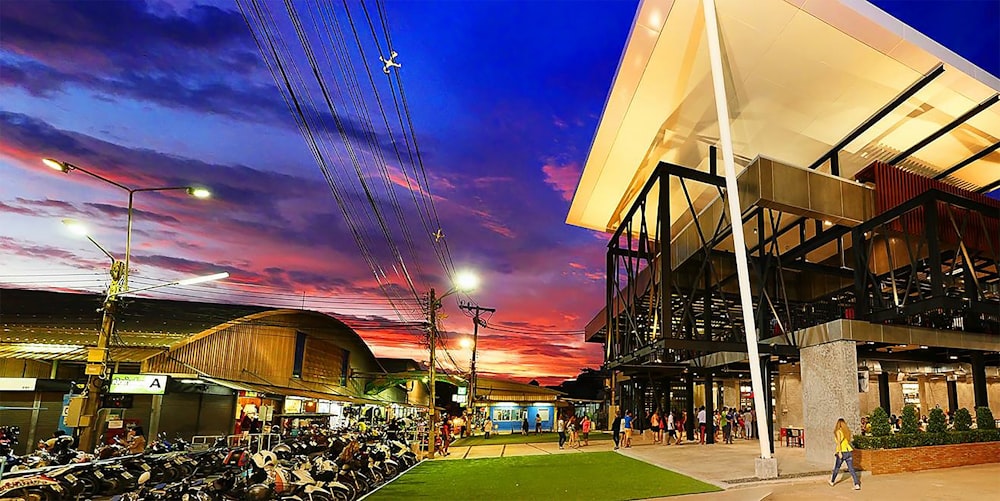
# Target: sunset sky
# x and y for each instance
(504, 96)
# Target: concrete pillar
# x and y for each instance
(979, 379)
(883, 392)
(731, 393)
(829, 392)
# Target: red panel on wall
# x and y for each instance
(895, 186)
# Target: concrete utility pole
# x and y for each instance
(97, 367)
(476, 322)
(432, 435)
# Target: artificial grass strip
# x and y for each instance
(517, 438)
(595, 476)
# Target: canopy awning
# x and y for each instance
(801, 76)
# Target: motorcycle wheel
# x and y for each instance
(90, 487)
(30, 494)
(390, 472)
(362, 486)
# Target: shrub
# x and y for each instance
(963, 420)
(911, 421)
(901, 440)
(880, 422)
(936, 421)
(984, 419)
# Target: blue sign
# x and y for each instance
(62, 415)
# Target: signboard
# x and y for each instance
(17, 384)
(65, 412)
(459, 398)
(463, 390)
(138, 384)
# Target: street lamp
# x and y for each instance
(66, 167)
(97, 359)
(464, 281)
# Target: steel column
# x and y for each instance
(883, 392)
(979, 379)
(732, 196)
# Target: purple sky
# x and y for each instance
(504, 97)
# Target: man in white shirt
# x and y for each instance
(701, 425)
(671, 429)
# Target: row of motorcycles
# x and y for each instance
(319, 465)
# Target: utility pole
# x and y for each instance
(432, 436)
(97, 367)
(476, 322)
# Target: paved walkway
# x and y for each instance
(509, 450)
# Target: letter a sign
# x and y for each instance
(138, 384)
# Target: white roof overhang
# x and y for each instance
(801, 75)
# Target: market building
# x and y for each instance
(190, 369)
(857, 154)
(507, 403)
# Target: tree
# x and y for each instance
(911, 421)
(984, 419)
(963, 419)
(880, 422)
(936, 422)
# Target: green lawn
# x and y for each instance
(591, 476)
(517, 438)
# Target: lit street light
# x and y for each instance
(97, 362)
(464, 281)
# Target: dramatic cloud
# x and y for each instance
(562, 178)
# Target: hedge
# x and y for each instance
(900, 440)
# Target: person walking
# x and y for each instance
(524, 425)
(654, 426)
(628, 429)
(561, 429)
(616, 429)
(585, 429)
(842, 436)
(571, 431)
(702, 427)
(538, 424)
(671, 428)
(488, 427)
(679, 425)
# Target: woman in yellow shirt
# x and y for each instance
(842, 436)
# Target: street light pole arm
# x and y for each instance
(99, 246)
(98, 176)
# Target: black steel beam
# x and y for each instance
(989, 187)
(631, 253)
(795, 265)
(951, 170)
(694, 175)
(880, 114)
(979, 108)
(823, 238)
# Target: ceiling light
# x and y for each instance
(923, 347)
(827, 223)
(953, 357)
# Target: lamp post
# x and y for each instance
(97, 358)
(464, 282)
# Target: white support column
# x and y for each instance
(732, 196)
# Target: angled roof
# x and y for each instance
(801, 75)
